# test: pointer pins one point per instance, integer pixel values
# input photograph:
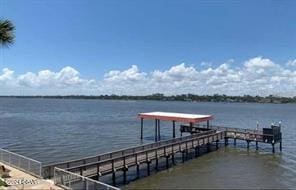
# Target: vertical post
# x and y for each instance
(141, 128)
(217, 144)
(156, 160)
(155, 130)
(167, 161)
(124, 170)
(113, 173)
(225, 141)
(196, 152)
(248, 144)
(174, 129)
(158, 130)
(273, 151)
(98, 172)
(208, 124)
(281, 145)
(148, 167)
(138, 167)
(256, 145)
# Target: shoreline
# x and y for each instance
(177, 98)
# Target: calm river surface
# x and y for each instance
(52, 130)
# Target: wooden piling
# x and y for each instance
(257, 145)
(142, 128)
(174, 129)
(217, 144)
(158, 129)
(167, 161)
(113, 173)
(148, 167)
(273, 150)
(155, 130)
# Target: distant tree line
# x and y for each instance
(182, 97)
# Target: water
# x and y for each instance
(52, 130)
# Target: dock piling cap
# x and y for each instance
(179, 117)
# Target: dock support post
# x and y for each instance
(138, 170)
(183, 156)
(113, 173)
(155, 130)
(217, 144)
(208, 147)
(208, 124)
(273, 150)
(167, 161)
(257, 145)
(281, 145)
(156, 163)
(225, 141)
(148, 167)
(248, 144)
(158, 122)
(141, 128)
(234, 141)
(113, 176)
(174, 129)
(196, 151)
(173, 158)
(125, 169)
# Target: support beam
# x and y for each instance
(113, 173)
(257, 145)
(281, 146)
(248, 144)
(155, 130)
(217, 144)
(196, 151)
(142, 122)
(125, 169)
(173, 158)
(167, 161)
(138, 170)
(225, 141)
(158, 130)
(174, 129)
(113, 177)
(273, 150)
(234, 141)
(148, 167)
(208, 124)
(208, 147)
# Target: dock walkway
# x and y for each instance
(122, 160)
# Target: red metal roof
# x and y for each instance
(179, 117)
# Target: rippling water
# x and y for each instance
(52, 130)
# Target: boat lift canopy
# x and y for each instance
(174, 117)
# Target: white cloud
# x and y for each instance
(257, 76)
(291, 63)
(6, 75)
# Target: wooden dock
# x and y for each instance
(121, 160)
(247, 135)
(168, 150)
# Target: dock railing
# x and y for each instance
(69, 180)
(20, 162)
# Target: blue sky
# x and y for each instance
(94, 37)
